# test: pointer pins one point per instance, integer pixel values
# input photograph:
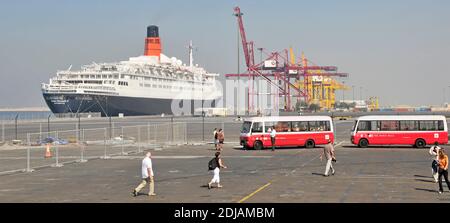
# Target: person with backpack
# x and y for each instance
(215, 164)
(434, 152)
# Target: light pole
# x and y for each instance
(258, 85)
(203, 115)
(238, 61)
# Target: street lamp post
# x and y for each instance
(203, 114)
(238, 61)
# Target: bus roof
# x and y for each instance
(402, 117)
(288, 118)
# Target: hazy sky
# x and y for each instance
(396, 50)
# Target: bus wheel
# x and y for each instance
(363, 143)
(310, 144)
(258, 145)
(420, 143)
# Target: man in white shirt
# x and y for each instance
(434, 152)
(147, 176)
(273, 133)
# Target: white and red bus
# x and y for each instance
(291, 131)
(416, 130)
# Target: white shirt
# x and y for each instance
(433, 153)
(146, 163)
(273, 133)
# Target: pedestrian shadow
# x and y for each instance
(422, 176)
(427, 190)
(319, 174)
(428, 181)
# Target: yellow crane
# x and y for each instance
(373, 104)
(320, 90)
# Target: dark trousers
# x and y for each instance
(444, 173)
(272, 139)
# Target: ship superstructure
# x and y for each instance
(143, 85)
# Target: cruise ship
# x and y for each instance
(151, 84)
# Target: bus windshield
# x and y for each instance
(354, 126)
(246, 127)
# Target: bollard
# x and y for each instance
(139, 139)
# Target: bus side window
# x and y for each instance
(375, 126)
(295, 126)
(257, 127)
(441, 125)
(364, 126)
(268, 125)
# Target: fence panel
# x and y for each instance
(131, 137)
(43, 148)
(13, 159)
(179, 133)
(95, 143)
(70, 148)
(232, 131)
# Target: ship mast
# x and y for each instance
(191, 58)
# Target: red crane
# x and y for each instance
(280, 74)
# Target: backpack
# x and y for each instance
(212, 164)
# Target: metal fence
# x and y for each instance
(80, 145)
(56, 148)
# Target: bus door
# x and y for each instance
(257, 132)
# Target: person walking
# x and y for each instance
(273, 133)
(216, 141)
(221, 138)
(329, 153)
(443, 170)
(216, 171)
(147, 176)
(434, 152)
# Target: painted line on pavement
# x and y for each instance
(254, 192)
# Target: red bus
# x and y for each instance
(291, 131)
(416, 130)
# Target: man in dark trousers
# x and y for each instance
(273, 134)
